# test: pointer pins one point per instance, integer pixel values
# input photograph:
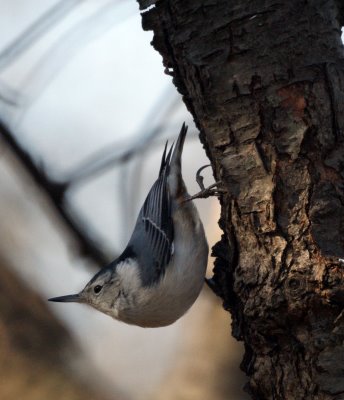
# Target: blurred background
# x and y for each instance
(85, 109)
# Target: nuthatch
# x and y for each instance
(161, 271)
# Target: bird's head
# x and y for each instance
(101, 292)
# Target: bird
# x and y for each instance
(161, 271)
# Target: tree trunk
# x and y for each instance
(264, 82)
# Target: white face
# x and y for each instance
(110, 291)
(103, 291)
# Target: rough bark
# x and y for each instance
(264, 81)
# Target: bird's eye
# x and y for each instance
(97, 289)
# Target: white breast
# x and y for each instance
(164, 303)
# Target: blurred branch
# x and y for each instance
(66, 47)
(56, 194)
(31, 367)
(56, 190)
(35, 31)
(9, 96)
(108, 157)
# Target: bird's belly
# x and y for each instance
(165, 302)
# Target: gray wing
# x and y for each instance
(151, 242)
(156, 217)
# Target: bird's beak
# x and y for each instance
(70, 298)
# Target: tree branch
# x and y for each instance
(36, 30)
(55, 192)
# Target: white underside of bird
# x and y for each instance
(179, 287)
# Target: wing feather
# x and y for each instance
(153, 234)
(152, 240)
(156, 216)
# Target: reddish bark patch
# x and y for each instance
(293, 98)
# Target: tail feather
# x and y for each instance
(163, 159)
(176, 184)
(176, 161)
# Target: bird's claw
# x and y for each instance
(212, 190)
(199, 177)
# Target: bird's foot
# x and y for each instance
(212, 190)
(199, 177)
